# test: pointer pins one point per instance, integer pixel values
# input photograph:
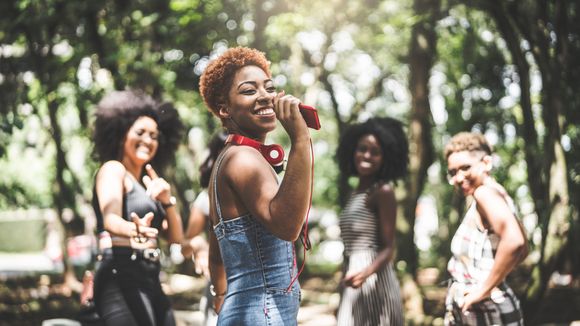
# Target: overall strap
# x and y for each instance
(214, 181)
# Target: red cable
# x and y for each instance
(305, 240)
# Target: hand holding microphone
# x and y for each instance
(310, 115)
(285, 106)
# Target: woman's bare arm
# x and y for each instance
(387, 214)
(110, 190)
(494, 210)
(217, 272)
(281, 208)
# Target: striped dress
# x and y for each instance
(473, 251)
(378, 300)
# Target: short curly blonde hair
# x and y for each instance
(467, 141)
(216, 81)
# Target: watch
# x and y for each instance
(172, 202)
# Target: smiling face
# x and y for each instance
(467, 170)
(141, 141)
(368, 156)
(250, 105)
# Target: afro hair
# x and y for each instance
(391, 136)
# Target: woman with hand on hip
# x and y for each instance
(376, 152)
(133, 204)
(489, 243)
(255, 218)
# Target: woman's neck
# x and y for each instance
(261, 138)
(365, 183)
(487, 180)
(233, 128)
(133, 169)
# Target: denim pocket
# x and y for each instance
(237, 225)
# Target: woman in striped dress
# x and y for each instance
(488, 244)
(377, 153)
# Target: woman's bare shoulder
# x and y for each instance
(111, 168)
(487, 193)
(382, 193)
(243, 160)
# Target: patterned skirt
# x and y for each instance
(502, 308)
(377, 301)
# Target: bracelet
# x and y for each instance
(172, 202)
(213, 293)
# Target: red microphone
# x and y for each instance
(310, 115)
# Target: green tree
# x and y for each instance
(536, 57)
(544, 31)
(59, 57)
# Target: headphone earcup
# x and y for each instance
(273, 153)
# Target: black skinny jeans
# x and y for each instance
(128, 292)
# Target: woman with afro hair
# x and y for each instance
(255, 217)
(135, 138)
(376, 152)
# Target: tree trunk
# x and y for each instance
(421, 152)
(63, 197)
(261, 20)
(42, 62)
(555, 218)
(528, 131)
(547, 173)
(97, 44)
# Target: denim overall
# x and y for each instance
(259, 268)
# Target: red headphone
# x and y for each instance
(274, 153)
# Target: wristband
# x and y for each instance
(172, 202)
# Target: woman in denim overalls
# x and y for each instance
(255, 218)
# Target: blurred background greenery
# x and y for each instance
(508, 69)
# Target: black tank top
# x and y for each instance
(136, 201)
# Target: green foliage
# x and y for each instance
(348, 58)
(68, 54)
